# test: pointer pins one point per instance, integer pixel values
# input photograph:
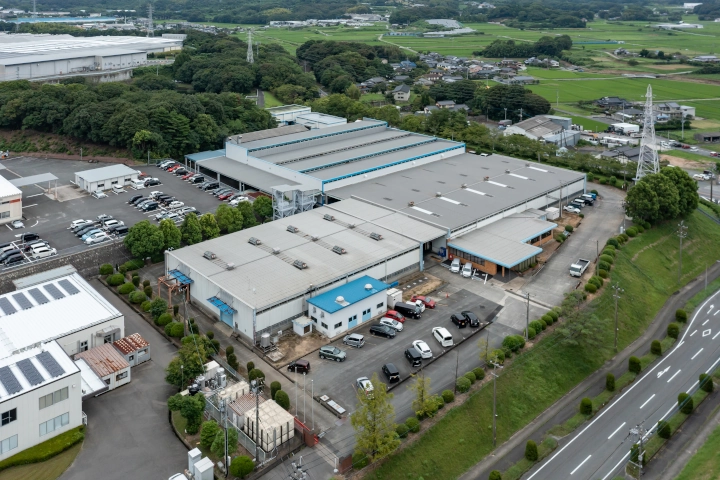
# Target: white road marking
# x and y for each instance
(9, 228)
(706, 332)
(618, 429)
(581, 464)
(718, 311)
(706, 321)
(646, 401)
(36, 195)
(28, 206)
(614, 469)
(698, 353)
(673, 375)
(716, 335)
(660, 374)
(36, 222)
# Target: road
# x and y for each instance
(601, 449)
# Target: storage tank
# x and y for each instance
(265, 340)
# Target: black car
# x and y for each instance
(180, 171)
(300, 366)
(382, 331)
(5, 245)
(86, 229)
(211, 186)
(169, 165)
(138, 200)
(459, 320)
(471, 317)
(391, 372)
(413, 357)
(150, 207)
(121, 231)
(14, 259)
(152, 183)
(29, 237)
(8, 254)
(81, 226)
(133, 198)
(196, 180)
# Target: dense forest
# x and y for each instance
(545, 46)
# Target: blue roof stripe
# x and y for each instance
(352, 292)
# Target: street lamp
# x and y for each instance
(182, 376)
(494, 426)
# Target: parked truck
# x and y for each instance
(579, 267)
(394, 295)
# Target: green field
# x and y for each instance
(589, 124)
(705, 464)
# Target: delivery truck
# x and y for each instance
(579, 267)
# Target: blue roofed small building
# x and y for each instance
(347, 306)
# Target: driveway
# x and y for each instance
(128, 434)
(601, 221)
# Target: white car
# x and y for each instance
(467, 270)
(176, 204)
(365, 385)
(455, 266)
(694, 149)
(155, 194)
(17, 224)
(96, 238)
(99, 194)
(699, 176)
(237, 201)
(77, 223)
(571, 209)
(173, 217)
(113, 223)
(392, 323)
(185, 210)
(43, 252)
(118, 189)
(422, 349)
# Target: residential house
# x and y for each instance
(461, 107)
(520, 80)
(673, 110)
(434, 74)
(425, 82)
(400, 78)
(628, 114)
(401, 93)
(408, 65)
(613, 102)
(431, 108)
(706, 59)
(445, 104)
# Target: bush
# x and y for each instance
(597, 281)
(106, 269)
(531, 333)
(136, 281)
(440, 402)
(535, 325)
(216, 345)
(604, 266)
(685, 403)
(595, 192)
(148, 291)
(640, 229)
(123, 269)
(413, 424)
(126, 288)
(282, 399)
(624, 237)
(176, 309)
(463, 384)
(581, 215)
(470, 376)
(603, 181)
(590, 178)
(603, 273)
(145, 305)
(158, 307)
(116, 279)
(232, 360)
(164, 319)
(554, 315)
(631, 232)
(274, 388)
(590, 288)
(175, 329)
(208, 432)
(681, 315)
(569, 228)
(402, 430)
(360, 461)
(586, 406)
(146, 283)
(706, 382)
(531, 452)
(448, 396)
(210, 334)
(499, 355)
(559, 238)
(634, 364)
(610, 382)
(547, 319)
(609, 251)
(137, 297)
(229, 350)
(607, 259)
(513, 342)
(613, 242)
(543, 323)
(255, 373)
(495, 475)
(656, 347)
(133, 264)
(249, 366)
(663, 429)
(673, 330)
(479, 373)
(242, 466)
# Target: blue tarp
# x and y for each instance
(180, 277)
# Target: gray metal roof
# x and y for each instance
(103, 173)
(241, 172)
(67, 54)
(312, 134)
(271, 133)
(42, 177)
(461, 206)
(495, 249)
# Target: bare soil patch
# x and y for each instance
(684, 163)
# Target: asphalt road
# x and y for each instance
(601, 449)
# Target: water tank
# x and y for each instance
(265, 340)
(200, 381)
(340, 299)
(368, 286)
(222, 380)
(220, 371)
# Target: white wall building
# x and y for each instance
(10, 201)
(104, 178)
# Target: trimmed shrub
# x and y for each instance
(581, 215)
(656, 347)
(548, 319)
(137, 297)
(640, 229)
(613, 242)
(402, 430)
(360, 461)
(145, 306)
(604, 266)
(255, 373)
(590, 178)
(208, 432)
(553, 314)
(603, 181)
(116, 279)
(559, 238)
(634, 364)
(136, 281)
(590, 288)
(164, 319)
(158, 307)
(413, 424)
(126, 288)
(595, 192)
(535, 325)
(663, 429)
(569, 228)
(148, 291)
(499, 354)
(685, 403)
(470, 376)
(174, 329)
(133, 264)
(543, 323)
(586, 406)
(631, 232)
(216, 345)
(176, 309)
(607, 259)
(610, 382)
(513, 342)
(531, 333)
(242, 466)
(495, 475)
(706, 382)
(274, 388)
(146, 283)
(625, 237)
(106, 269)
(479, 373)
(603, 273)
(440, 401)
(609, 252)
(597, 281)
(232, 360)
(282, 399)
(673, 330)
(123, 269)
(463, 385)
(249, 366)
(210, 334)
(531, 452)
(681, 315)
(448, 396)
(229, 350)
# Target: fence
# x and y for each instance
(213, 412)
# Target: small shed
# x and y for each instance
(277, 426)
(108, 364)
(134, 348)
(104, 178)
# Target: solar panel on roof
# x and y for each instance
(6, 306)
(7, 378)
(38, 296)
(50, 364)
(69, 287)
(31, 373)
(53, 291)
(22, 301)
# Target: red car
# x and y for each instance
(427, 301)
(395, 316)
(174, 167)
(225, 196)
(188, 175)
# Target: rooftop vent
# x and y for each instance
(486, 179)
(329, 218)
(375, 236)
(254, 241)
(292, 229)
(299, 264)
(351, 225)
(464, 185)
(230, 266)
(338, 250)
(368, 286)
(507, 171)
(438, 194)
(340, 299)
(314, 239)
(411, 204)
(276, 251)
(209, 255)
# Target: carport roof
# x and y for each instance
(42, 177)
(103, 173)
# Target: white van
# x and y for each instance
(137, 184)
(443, 337)
(467, 270)
(455, 266)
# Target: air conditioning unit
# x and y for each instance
(230, 266)
(254, 241)
(299, 264)
(329, 218)
(276, 251)
(338, 250)
(464, 185)
(376, 236)
(292, 229)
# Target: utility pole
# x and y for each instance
(256, 387)
(616, 296)
(505, 108)
(223, 416)
(304, 397)
(597, 257)
(521, 114)
(639, 431)
(457, 363)
(682, 233)
(494, 403)
(527, 317)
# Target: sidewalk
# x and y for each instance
(514, 449)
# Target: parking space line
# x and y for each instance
(36, 195)
(28, 206)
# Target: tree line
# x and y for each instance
(544, 46)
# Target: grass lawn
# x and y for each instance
(687, 155)
(271, 100)
(705, 464)
(646, 268)
(372, 97)
(589, 124)
(47, 470)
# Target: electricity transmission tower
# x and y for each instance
(150, 32)
(648, 161)
(34, 12)
(250, 59)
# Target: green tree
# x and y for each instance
(586, 406)
(191, 408)
(685, 403)
(144, 240)
(282, 399)
(262, 206)
(229, 219)
(687, 189)
(274, 388)
(667, 194)
(242, 466)
(157, 307)
(248, 214)
(634, 364)
(495, 475)
(424, 404)
(353, 92)
(208, 432)
(190, 230)
(218, 444)
(232, 440)
(374, 422)
(642, 203)
(171, 234)
(582, 330)
(191, 358)
(531, 451)
(610, 382)
(706, 382)
(209, 226)
(663, 429)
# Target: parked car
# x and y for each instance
(98, 194)
(413, 356)
(118, 189)
(90, 233)
(82, 231)
(17, 224)
(77, 223)
(694, 149)
(138, 200)
(225, 195)
(9, 253)
(102, 217)
(148, 207)
(443, 336)
(365, 385)
(459, 320)
(236, 201)
(354, 340)
(422, 348)
(164, 163)
(173, 217)
(391, 372)
(577, 203)
(28, 237)
(467, 270)
(121, 231)
(196, 180)
(154, 194)
(427, 301)
(13, 260)
(391, 323)
(133, 198)
(398, 317)
(188, 175)
(382, 331)
(699, 176)
(168, 166)
(186, 210)
(571, 209)
(113, 223)
(172, 168)
(144, 202)
(299, 366)
(408, 309)
(35, 244)
(332, 353)
(455, 266)
(222, 190)
(210, 186)
(180, 171)
(152, 182)
(471, 317)
(43, 252)
(96, 238)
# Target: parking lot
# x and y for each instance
(51, 218)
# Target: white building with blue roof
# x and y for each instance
(347, 306)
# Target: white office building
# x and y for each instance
(104, 178)
(10, 201)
